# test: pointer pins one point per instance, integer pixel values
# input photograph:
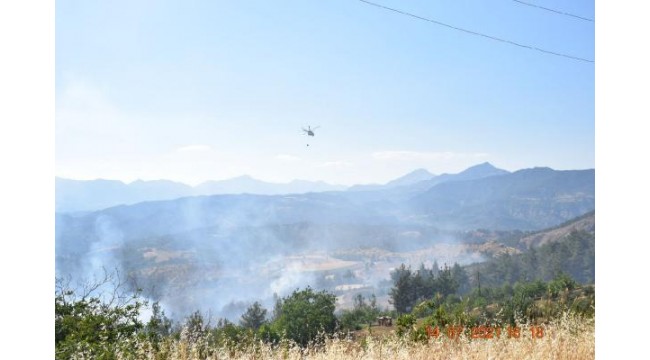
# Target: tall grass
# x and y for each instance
(567, 337)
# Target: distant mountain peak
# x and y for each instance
(486, 164)
(483, 169)
(420, 172)
(413, 177)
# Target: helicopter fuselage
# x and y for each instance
(309, 131)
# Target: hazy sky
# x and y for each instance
(199, 90)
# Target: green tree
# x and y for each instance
(254, 317)
(305, 314)
(405, 324)
(194, 327)
(561, 283)
(159, 325)
(402, 295)
(361, 313)
(460, 278)
(232, 336)
(435, 268)
(91, 321)
(446, 284)
(277, 307)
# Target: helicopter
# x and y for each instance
(309, 131)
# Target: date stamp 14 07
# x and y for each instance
(484, 332)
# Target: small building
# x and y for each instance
(385, 321)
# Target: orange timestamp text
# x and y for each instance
(483, 332)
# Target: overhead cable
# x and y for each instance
(478, 33)
(553, 10)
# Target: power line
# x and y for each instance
(477, 33)
(553, 10)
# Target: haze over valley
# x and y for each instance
(221, 246)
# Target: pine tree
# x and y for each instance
(254, 317)
(402, 294)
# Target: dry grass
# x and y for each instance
(565, 338)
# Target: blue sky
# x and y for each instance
(199, 90)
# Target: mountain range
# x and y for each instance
(528, 199)
(91, 195)
(422, 179)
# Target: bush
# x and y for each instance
(304, 314)
(93, 323)
(405, 324)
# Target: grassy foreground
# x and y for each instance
(565, 338)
